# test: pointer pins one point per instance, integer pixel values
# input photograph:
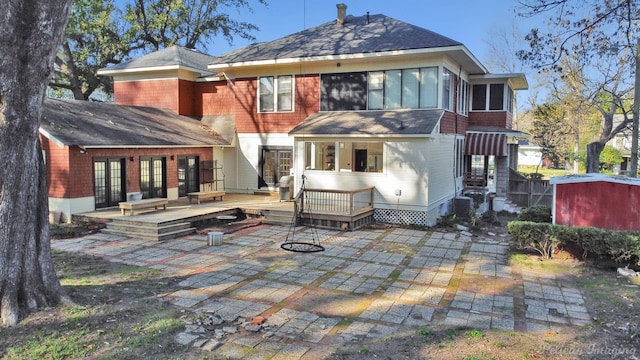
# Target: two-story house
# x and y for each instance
(356, 102)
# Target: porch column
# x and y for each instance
(502, 175)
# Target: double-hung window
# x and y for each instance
(275, 93)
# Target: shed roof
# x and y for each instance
(373, 123)
(101, 125)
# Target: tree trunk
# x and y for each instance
(593, 156)
(576, 152)
(31, 32)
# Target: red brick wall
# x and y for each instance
(57, 165)
(70, 173)
(156, 93)
(448, 123)
(248, 120)
(501, 119)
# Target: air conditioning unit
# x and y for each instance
(462, 207)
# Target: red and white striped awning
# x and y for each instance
(485, 144)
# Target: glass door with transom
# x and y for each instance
(276, 163)
(109, 182)
(153, 177)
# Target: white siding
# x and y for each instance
(242, 176)
(421, 168)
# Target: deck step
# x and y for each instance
(148, 231)
(277, 217)
(151, 237)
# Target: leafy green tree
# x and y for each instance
(610, 157)
(584, 33)
(102, 33)
(94, 39)
(549, 130)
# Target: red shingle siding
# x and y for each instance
(248, 120)
(214, 98)
(186, 100)
(501, 119)
(157, 93)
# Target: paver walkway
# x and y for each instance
(366, 284)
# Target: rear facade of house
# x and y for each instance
(356, 102)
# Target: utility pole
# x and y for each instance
(633, 171)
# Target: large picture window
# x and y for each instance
(407, 89)
(275, 93)
(365, 156)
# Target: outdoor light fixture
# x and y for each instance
(173, 157)
(130, 158)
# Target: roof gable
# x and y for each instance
(357, 35)
(93, 124)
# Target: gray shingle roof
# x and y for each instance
(172, 56)
(93, 124)
(378, 122)
(355, 36)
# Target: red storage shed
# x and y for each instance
(598, 200)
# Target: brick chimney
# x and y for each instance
(342, 13)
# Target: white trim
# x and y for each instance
(357, 56)
(593, 177)
(108, 71)
(52, 138)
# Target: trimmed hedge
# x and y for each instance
(620, 246)
(536, 213)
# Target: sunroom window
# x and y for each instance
(275, 93)
(366, 156)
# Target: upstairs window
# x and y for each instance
(463, 97)
(275, 93)
(447, 86)
(343, 92)
(491, 97)
(380, 90)
(496, 97)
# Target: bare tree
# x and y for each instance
(31, 33)
(587, 30)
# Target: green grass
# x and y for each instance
(474, 334)
(56, 345)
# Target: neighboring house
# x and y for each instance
(361, 101)
(622, 142)
(529, 154)
(97, 154)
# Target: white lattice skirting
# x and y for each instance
(401, 217)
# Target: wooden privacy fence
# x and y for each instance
(529, 192)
